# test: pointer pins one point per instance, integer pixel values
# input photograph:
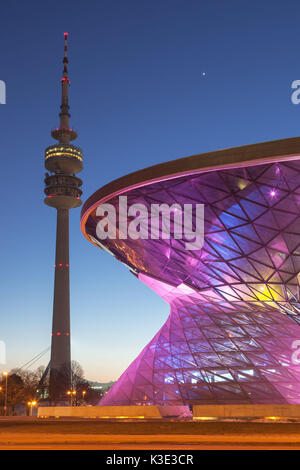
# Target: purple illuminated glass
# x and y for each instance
(234, 304)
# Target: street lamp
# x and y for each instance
(31, 404)
(5, 400)
(74, 392)
(83, 395)
(71, 393)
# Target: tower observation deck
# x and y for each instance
(62, 189)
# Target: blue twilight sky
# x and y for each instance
(138, 97)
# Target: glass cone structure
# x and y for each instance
(234, 327)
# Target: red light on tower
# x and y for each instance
(66, 34)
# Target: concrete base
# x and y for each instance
(118, 412)
(175, 411)
(244, 411)
(151, 412)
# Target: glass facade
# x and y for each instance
(235, 309)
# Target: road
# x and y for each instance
(80, 434)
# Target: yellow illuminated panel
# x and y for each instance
(205, 418)
(63, 152)
(70, 149)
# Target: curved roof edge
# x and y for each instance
(246, 155)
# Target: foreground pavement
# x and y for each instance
(165, 441)
(66, 434)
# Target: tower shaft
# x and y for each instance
(60, 348)
(60, 362)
